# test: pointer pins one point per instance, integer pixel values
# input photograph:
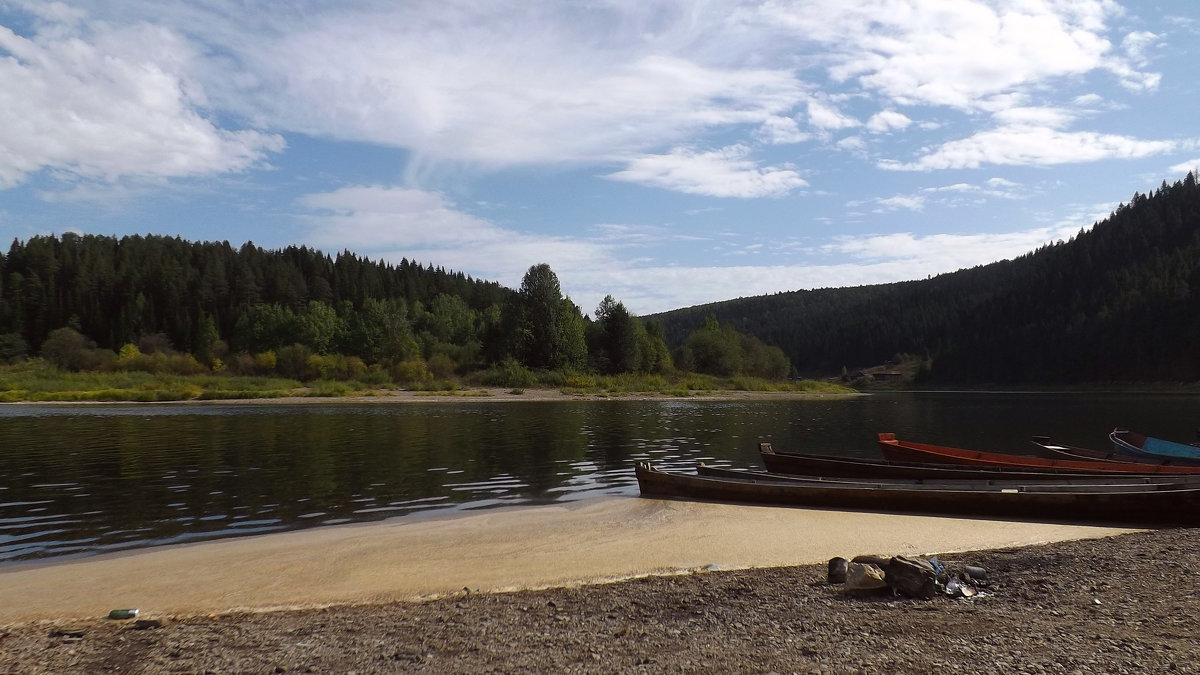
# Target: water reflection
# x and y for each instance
(82, 480)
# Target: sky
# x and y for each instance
(668, 153)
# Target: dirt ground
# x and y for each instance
(1124, 603)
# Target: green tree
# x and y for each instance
(714, 350)
(450, 319)
(319, 327)
(654, 354)
(540, 308)
(614, 338)
(573, 351)
(380, 332)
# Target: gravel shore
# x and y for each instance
(1127, 603)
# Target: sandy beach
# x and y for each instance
(496, 550)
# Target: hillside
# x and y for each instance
(1117, 303)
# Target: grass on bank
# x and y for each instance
(689, 384)
(37, 380)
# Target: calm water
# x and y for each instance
(83, 480)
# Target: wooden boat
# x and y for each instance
(852, 467)
(1136, 445)
(1047, 448)
(897, 450)
(1162, 503)
(1059, 482)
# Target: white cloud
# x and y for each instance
(719, 173)
(395, 223)
(512, 83)
(1054, 118)
(110, 103)
(374, 217)
(1185, 167)
(1137, 43)
(888, 120)
(937, 253)
(827, 117)
(851, 144)
(929, 51)
(1030, 146)
(908, 202)
(954, 195)
(777, 130)
(875, 259)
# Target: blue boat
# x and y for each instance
(1134, 444)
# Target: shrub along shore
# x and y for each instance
(38, 380)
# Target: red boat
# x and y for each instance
(905, 451)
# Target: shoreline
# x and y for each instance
(1084, 605)
(473, 395)
(592, 541)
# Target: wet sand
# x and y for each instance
(509, 549)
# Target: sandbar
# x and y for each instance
(413, 558)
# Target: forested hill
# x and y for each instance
(1118, 303)
(115, 290)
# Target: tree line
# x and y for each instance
(1119, 302)
(156, 302)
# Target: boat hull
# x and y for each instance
(908, 451)
(1165, 504)
(850, 467)
(1062, 482)
(1057, 451)
(1133, 444)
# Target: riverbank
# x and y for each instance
(417, 558)
(37, 380)
(708, 588)
(488, 394)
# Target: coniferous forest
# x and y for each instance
(157, 303)
(1117, 303)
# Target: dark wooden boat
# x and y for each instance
(1133, 444)
(897, 450)
(852, 467)
(1162, 503)
(1059, 482)
(1052, 450)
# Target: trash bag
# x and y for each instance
(957, 588)
(911, 577)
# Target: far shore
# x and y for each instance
(471, 395)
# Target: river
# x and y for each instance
(79, 480)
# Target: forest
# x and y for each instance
(156, 303)
(1118, 303)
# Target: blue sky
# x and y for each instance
(668, 153)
